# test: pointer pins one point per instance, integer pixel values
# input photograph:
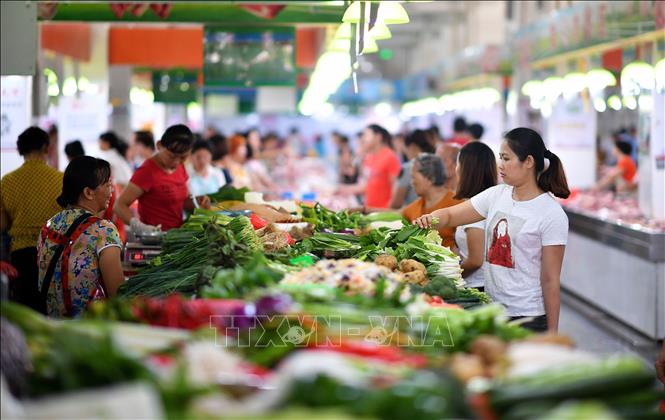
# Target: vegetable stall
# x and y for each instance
(330, 314)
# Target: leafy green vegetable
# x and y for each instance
(229, 193)
(438, 286)
(179, 272)
(237, 282)
(319, 243)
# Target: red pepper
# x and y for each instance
(388, 354)
(289, 239)
(257, 222)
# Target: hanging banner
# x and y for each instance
(15, 109)
(571, 125)
(249, 57)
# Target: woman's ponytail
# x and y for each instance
(549, 172)
(553, 178)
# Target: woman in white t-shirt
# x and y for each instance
(203, 177)
(526, 230)
(476, 172)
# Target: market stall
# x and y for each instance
(333, 316)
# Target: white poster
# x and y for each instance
(15, 109)
(82, 119)
(572, 124)
(571, 135)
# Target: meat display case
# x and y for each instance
(619, 268)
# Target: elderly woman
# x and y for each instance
(78, 252)
(428, 177)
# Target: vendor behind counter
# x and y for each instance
(160, 186)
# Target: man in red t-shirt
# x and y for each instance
(622, 176)
(380, 169)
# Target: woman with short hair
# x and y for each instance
(429, 182)
(27, 200)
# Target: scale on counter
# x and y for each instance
(143, 249)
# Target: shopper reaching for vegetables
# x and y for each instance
(160, 186)
(429, 178)
(527, 229)
(476, 172)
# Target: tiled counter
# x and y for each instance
(619, 269)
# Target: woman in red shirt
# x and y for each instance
(160, 185)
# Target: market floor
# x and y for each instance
(597, 333)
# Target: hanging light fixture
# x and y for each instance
(637, 76)
(345, 45)
(660, 74)
(352, 13)
(573, 83)
(599, 79)
(391, 13)
(343, 31)
(380, 31)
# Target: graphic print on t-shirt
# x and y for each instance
(502, 228)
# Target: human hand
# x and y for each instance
(660, 365)
(139, 228)
(204, 201)
(424, 221)
(8, 270)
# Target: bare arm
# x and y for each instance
(126, 199)
(475, 239)
(550, 282)
(399, 197)
(203, 200)
(608, 179)
(353, 189)
(458, 215)
(111, 269)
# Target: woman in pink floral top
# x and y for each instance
(92, 258)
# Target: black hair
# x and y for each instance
(386, 138)
(81, 173)
(145, 138)
(32, 139)
(477, 166)
(115, 142)
(420, 139)
(178, 139)
(625, 147)
(250, 151)
(53, 130)
(74, 149)
(524, 142)
(459, 124)
(220, 147)
(202, 144)
(476, 130)
(431, 167)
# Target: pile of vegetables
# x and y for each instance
(180, 271)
